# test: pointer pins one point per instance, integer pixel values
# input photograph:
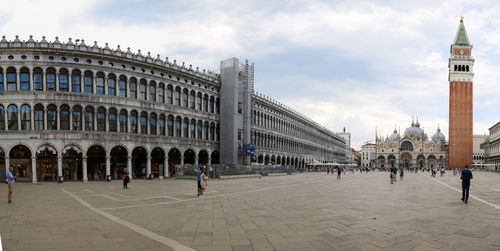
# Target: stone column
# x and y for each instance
(4, 80)
(58, 118)
(129, 122)
(165, 168)
(196, 160)
(59, 167)
(105, 85)
(70, 119)
(33, 169)
(161, 171)
(7, 165)
(148, 166)
(94, 90)
(108, 166)
(57, 80)
(128, 87)
(129, 167)
(70, 81)
(84, 168)
(82, 84)
(32, 115)
(19, 118)
(45, 119)
(6, 119)
(44, 80)
(18, 81)
(106, 120)
(95, 120)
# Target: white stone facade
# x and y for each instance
(86, 112)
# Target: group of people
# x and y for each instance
(339, 172)
(465, 176)
(394, 173)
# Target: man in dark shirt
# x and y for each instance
(465, 176)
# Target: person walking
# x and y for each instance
(391, 175)
(126, 179)
(203, 183)
(401, 174)
(339, 173)
(198, 178)
(466, 176)
(11, 180)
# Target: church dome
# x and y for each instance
(438, 136)
(415, 130)
(394, 136)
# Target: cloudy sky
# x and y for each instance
(358, 64)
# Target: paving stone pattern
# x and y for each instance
(311, 211)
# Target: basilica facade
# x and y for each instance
(411, 149)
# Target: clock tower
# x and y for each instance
(460, 65)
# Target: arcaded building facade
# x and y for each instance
(83, 112)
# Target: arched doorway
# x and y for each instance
(381, 161)
(431, 161)
(174, 158)
(266, 160)
(215, 157)
(203, 157)
(283, 160)
(118, 161)
(157, 162)
(72, 163)
(96, 163)
(189, 157)
(273, 160)
(260, 159)
(46, 163)
(20, 160)
(421, 161)
(278, 160)
(441, 162)
(391, 160)
(139, 160)
(406, 160)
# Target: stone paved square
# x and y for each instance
(310, 211)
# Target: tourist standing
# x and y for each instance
(143, 172)
(203, 183)
(198, 175)
(391, 175)
(339, 173)
(401, 174)
(126, 179)
(11, 180)
(466, 176)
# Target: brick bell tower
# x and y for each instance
(460, 66)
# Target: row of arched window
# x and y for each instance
(78, 118)
(88, 82)
(461, 68)
(278, 124)
(276, 142)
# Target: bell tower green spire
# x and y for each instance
(461, 38)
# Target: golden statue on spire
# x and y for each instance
(462, 18)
